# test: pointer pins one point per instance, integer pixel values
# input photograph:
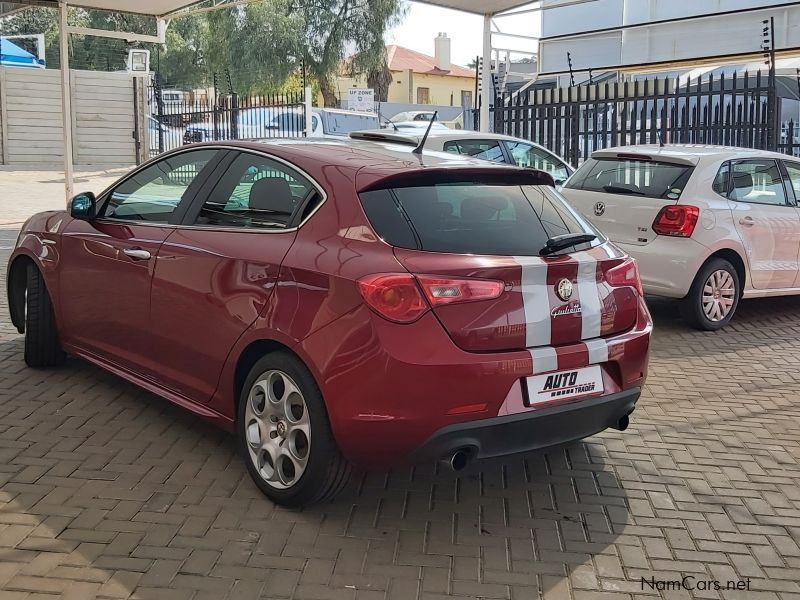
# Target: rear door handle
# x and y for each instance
(137, 254)
(747, 221)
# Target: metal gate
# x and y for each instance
(178, 117)
(738, 110)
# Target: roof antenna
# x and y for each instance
(418, 149)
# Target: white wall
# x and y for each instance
(31, 123)
(30, 111)
(684, 41)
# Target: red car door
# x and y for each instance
(216, 273)
(107, 263)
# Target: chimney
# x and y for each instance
(442, 45)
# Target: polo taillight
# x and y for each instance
(625, 275)
(404, 298)
(676, 220)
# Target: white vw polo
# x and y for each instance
(709, 225)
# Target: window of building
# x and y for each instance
(423, 95)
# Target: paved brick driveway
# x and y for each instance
(107, 491)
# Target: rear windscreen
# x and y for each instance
(644, 178)
(469, 218)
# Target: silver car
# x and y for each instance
(493, 147)
(709, 225)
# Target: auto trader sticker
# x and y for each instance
(565, 385)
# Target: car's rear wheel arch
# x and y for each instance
(17, 284)
(254, 352)
(325, 471)
(736, 260)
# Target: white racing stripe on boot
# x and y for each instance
(536, 304)
(589, 295)
(544, 360)
(535, 300)
(598, 351)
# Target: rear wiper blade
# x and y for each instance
(559, 242)
(614, 189)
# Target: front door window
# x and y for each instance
(153, 194)
(767, 225)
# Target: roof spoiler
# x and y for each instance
(654, 154)
(431, 176)
(385, 136)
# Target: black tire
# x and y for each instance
(42, 346)
(327, 472)
(692, 305)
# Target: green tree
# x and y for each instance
(258, 44)
(380, 77)
(33, 21)
(332, 27)
(261, 45)
(182, 60)
(105, 54)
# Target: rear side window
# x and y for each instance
(628, 177)
(721, 183)
(481, 149)
(468, 218)
(255, 193)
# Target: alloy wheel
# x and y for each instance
(278, 429)
(719, 295)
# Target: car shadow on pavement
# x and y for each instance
(757, 323)
(106, 489)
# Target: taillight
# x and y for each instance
(446, 290)
(404, 298)
(677, 221)
(394, 296)
(625, 275)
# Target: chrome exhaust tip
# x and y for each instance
(458, 460)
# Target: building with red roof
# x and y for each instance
(419, 78)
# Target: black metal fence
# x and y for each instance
(737, 110)
(177, 117)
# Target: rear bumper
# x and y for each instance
(530, 430)
(389, 388)
(668, 265)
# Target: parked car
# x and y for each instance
(171, 137)
(332, 122)
(266, 123)
(336, 302)
(493, 147)
(251, 124)
(173, 107)
(708, 225)
(413, 127)
(413, 115)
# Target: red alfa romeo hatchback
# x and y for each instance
(336, 303)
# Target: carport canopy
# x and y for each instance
(164, 9)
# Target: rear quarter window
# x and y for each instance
(507, 220)
(629, 177)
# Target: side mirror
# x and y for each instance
(83, 207)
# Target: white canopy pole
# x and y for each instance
(486, 77)
(66, 99)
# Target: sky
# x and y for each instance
(423, 23)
